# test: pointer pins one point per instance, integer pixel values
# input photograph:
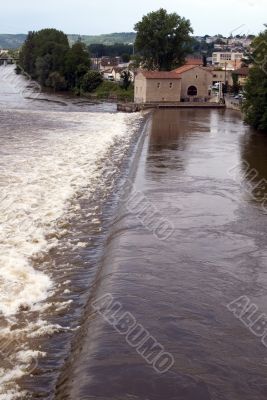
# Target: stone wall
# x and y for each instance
(198, 77)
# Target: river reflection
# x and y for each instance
(254, 166)
(179, 289)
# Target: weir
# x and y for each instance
(177, 288)
(135, 107)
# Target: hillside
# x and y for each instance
(11, 41)
(108, 39)
(15, 41)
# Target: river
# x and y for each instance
(74, 229)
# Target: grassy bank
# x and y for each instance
(111, 91)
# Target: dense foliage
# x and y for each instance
(255, 106)
(163, 40)
(126, 79)
(91, 80)
(48, 58)
(118, 49)
(113, 91)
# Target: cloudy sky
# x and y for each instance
(102, 16)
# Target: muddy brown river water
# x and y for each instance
(125, 243)
(192, 169)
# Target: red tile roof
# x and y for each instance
(186, 68)
(194, 61)
(160, 75)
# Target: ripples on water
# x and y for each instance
(57, 205)
(53, 188)
(179, 289)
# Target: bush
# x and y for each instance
(112, 90)
(90, 81)
(56, 81)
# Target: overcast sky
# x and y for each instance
(102, 16)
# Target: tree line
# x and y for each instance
(255, 106)
(125, 51)
(48, 58)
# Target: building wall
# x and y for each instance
(232, 60)
(140, 89)
(198, 77)
(219, 76)
(156, 90)
(161, 90)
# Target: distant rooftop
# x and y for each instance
(160, 75)
(194, 61)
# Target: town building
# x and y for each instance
(242, 74)
(4, 52)
(223, 76)
(117, 71)
(157, 86)
(109, 62)
(229, 60)
(196, 82)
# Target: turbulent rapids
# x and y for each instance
(51, 168)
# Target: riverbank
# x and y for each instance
(233, 104)
(111, 91)
(177, 284)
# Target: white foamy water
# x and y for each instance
(47, 159)
(40, 175)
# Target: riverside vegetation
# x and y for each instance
(49, 59)
(255, 106)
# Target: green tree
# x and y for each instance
(163, 40)
(77, 56)
(27, 56)
(126, 79)
(43, 68)
(236, 86)
(91, 80)
(44, 52)
(125, 58)
(56, 81)
(255, 105)
(115, 50)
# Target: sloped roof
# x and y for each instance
(186, 68)
(194, 61)
(241, 71)
(160, 75)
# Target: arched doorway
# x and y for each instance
(192, 91)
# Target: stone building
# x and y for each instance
(196, 82)
(157, 86)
